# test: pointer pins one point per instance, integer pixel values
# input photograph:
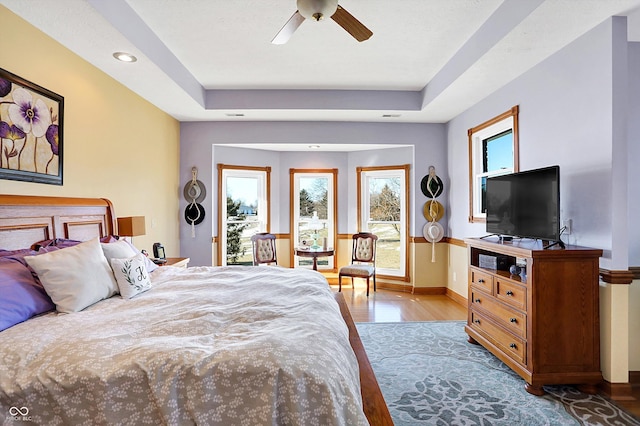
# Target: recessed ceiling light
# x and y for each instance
(390, 115)
(125, 57)
(314, 146)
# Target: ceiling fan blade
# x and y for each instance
(351, 24)
(289, 28)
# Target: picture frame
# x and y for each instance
(31, 131)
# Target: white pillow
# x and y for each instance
(75, 277)
(147, 262)
(132, 275)
(117, 250)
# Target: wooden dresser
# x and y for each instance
(544, 324)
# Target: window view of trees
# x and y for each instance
(382, 209)
(385, 203)
(314, 194)
(235, 227)
(313, 198)
(384, 219)
(307, 206)
(243, 216)
(313, 191)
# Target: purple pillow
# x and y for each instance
(56, 242)
(64, 243)
(19, 252)
(20, 296)
(17, 255)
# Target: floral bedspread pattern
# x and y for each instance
(207, 346)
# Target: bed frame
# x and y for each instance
(25, 220)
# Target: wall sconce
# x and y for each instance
(131, 226)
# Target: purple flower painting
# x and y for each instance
(32, 116)
(30, 131)
(5, 87)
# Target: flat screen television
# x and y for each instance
(525, 204)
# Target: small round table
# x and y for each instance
(314, 253)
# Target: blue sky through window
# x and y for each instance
(499, 151)
(243, 189)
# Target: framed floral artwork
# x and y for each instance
(30, 131)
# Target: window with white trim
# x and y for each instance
(493, 151)
(313, 192)
(383, 210)
(243, 211)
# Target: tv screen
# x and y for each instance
(525, 204)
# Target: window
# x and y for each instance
(243, 210)
(493, 151)
(383, 209)
(313, 191)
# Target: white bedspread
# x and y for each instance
(206, 346)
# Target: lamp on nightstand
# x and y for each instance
(131, 226)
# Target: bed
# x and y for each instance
(202, 345)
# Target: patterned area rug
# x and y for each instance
(430, 375)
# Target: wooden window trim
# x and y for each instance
(407, 169)
(513, 112)
(221, 168)
(292, 173)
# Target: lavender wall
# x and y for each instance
(566, 118)
(203, 144)
(572, 113)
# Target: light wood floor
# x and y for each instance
(394, 306)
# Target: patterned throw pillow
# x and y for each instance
(132, 275)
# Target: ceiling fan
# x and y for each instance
(318, 10)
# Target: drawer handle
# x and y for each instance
(513, 346)
(513, 320)
(477, 321)
(480, 281)
(477, 300)
(509, 293)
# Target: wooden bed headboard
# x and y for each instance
(25, 219)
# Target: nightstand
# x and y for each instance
(179, 262)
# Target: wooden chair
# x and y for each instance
(264, 248)
(363, 260)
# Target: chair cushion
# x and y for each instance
(357, 270)
(264, 250)
(364, 249)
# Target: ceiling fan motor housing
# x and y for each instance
(317, 9)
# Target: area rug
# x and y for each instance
(430, 375)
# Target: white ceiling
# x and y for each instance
(427, 61)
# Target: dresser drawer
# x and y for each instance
(509, 318)
(515, 347)
(481, 280)
(512, 293)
